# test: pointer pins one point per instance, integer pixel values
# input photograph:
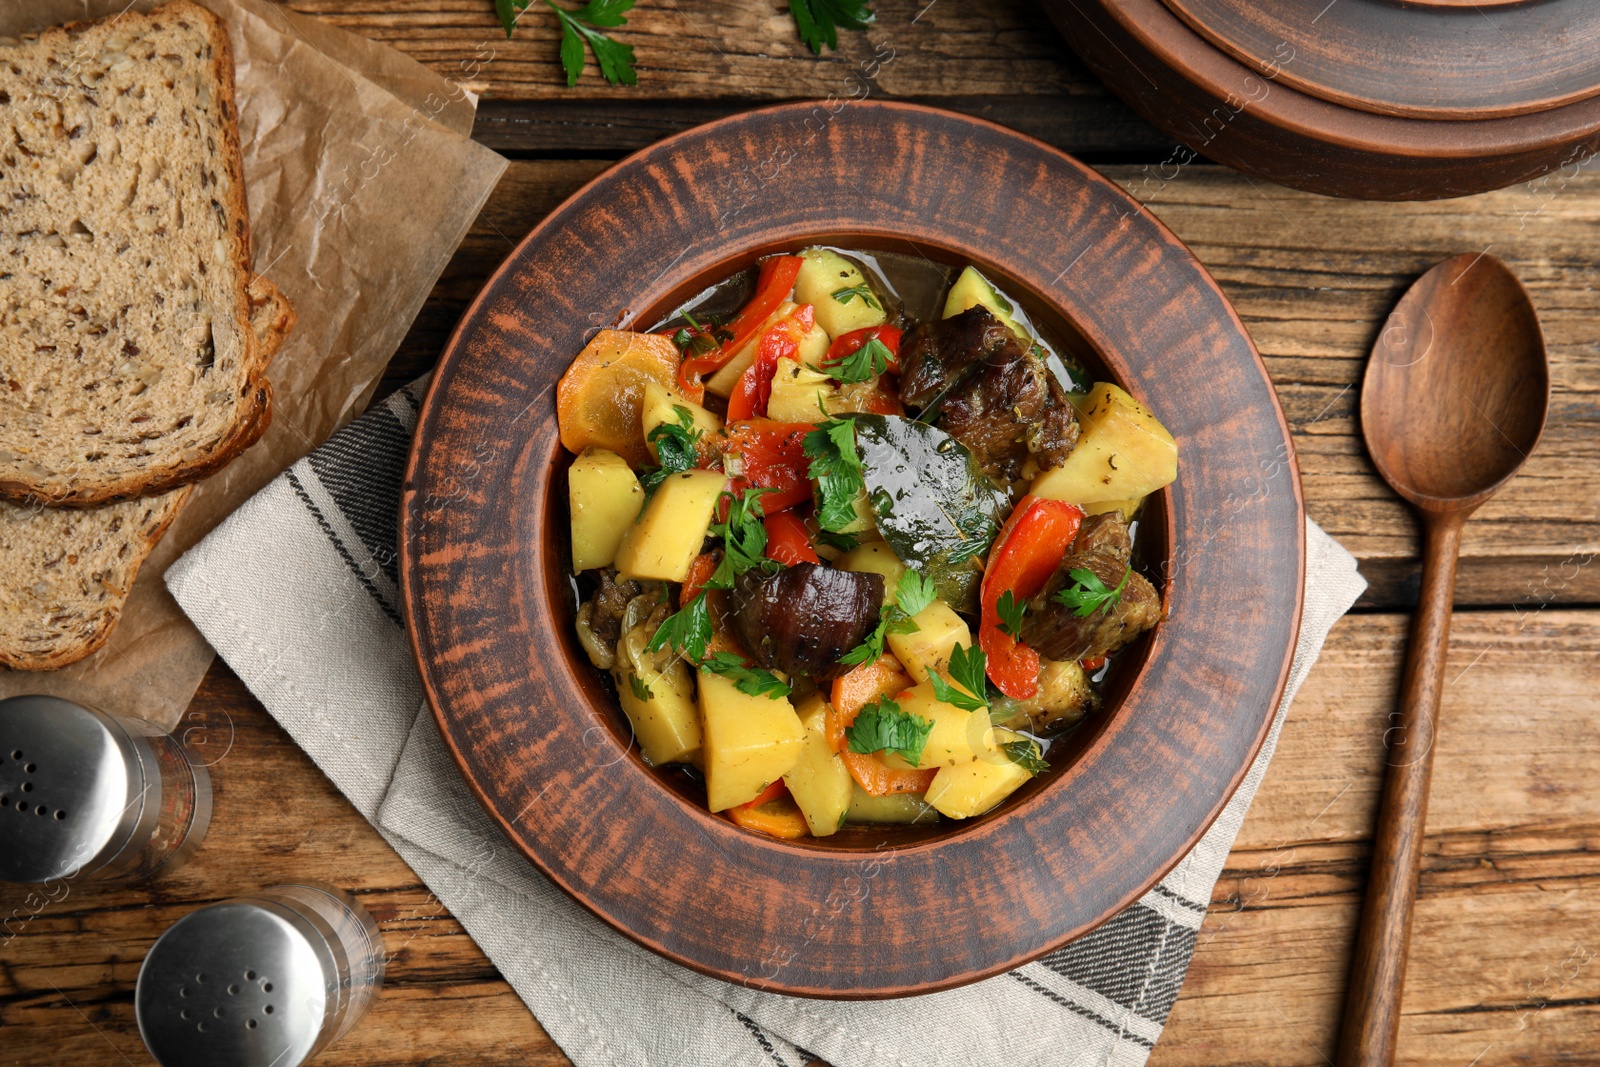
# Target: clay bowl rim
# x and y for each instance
(981, 830)
(1214, 71)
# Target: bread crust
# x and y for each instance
(257, 392)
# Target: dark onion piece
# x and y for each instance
(803, 618)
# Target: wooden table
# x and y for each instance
(1503, 959)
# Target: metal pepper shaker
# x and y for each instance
(266, 980)
(89, 795)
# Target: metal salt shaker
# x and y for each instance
(93, 796)
(266, 980)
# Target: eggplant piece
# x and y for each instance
(1103, 547)
(803, 618)
(937, 356)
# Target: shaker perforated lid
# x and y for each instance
(236, 984)
(71, 790)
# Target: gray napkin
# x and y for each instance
(297, 590)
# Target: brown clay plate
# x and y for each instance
(878, 911)
(1433, 59)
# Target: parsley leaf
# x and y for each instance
(882, 727)
(1025, 754)
(912, 593)
(1011, 611)
(1088, 594)
(818, 20)
(614, 59)
(836, 466)
(640, 690)
(864, 291)
(966, 667)
(842, 541)
(744, 538)
(688, 630)
(676, 448)
(870, 359)
(753, 681)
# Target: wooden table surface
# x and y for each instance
(1503, 958)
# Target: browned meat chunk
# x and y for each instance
(802, 619)
(936, 356)
(1008, 413)
(998, 399)
(1103, 548)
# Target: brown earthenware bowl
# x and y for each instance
(876, 911)
(1374, 99)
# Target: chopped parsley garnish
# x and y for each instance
(842, 541)
(614, 59)
(882, 727)
(864, 291)
(688, 630)
(1025, 753)
(640, 690)
(691, 344)
(744, 539)
(966, 667)
(836, 465)
(753, 681)
(913, 593)
(870, 359)
(818, 20)
(676, 449)
(1088, 594)
(1010, 610)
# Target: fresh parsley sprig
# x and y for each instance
(581, 27)
(677, 449)
(1088, 594)
(754, 681)
(913, 593)
(688, 630)
(1011, 611)
(744, 539)
(640, 689)
(836, 465)
(863, 290)
(882, 726)
(870, 359)
(966, 667)
(1024, 752)
(818, 20)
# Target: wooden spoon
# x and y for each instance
(1454, 400)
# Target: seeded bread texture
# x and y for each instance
(66, 572)
(127, 363)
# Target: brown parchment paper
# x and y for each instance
(362, 180)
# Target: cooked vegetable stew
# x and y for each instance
(858, 548)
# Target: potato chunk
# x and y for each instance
(976, 787)
(876, 557)
(660, 407)
(1123, 453)
(824, 273)
(819, 781)
(939, 631)
(958, 736)
(749, 741)
(661, 707)
(800, 394)
(668, 535)
(604, 497)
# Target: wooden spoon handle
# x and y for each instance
(1377, 973)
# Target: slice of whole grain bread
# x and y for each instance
(66, 572)
(127, 363)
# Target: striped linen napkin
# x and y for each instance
(298, 592)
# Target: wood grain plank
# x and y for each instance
(1312, 278)
(1503, 953)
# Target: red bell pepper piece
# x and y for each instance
(772, 456)
(787, 541)
(847, 344)
(773, 287)
(750, 396)
(1026, 553)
